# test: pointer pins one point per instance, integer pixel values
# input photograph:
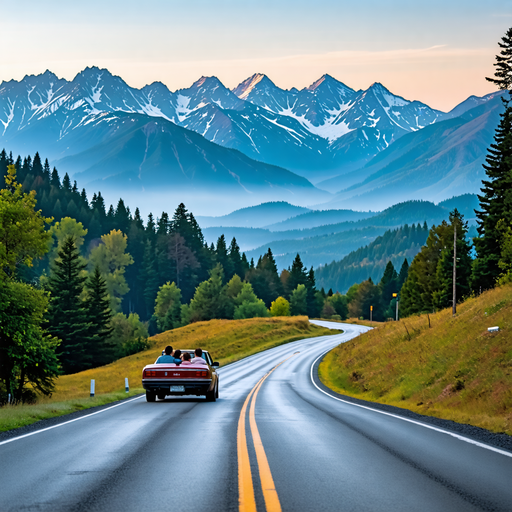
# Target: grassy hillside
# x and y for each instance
(453, 368)
(226, 340)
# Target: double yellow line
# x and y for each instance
(246, 499)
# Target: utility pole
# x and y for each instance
(371, 313)
(454, 301)
(395, 296)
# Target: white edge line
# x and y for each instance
(457, 436)
(69, 421)
(103, 410)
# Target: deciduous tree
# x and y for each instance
(280, 307)
(27, 352)
(112, 259)
(168, 307)
(22, 234)
(298, 301)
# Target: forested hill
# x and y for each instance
(317, 218)
(254, 216)
(371, 260)
(164, 248)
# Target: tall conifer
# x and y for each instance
(496, 197)
(67, 313)
(101, 349)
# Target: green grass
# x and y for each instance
(226, 340)
(15, 416)
(438, 365)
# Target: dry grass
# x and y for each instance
(226, 340)
(435, 364)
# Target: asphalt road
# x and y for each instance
(273, 441)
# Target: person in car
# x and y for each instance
(167, 357)
(198, 359)
(186, 359)
(177, 355)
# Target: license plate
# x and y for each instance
(177, 389)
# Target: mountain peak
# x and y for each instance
(207, 82)
(90, 72)
(392, 99)
(324, 78)
(377, 86)
(243, 89)
(328, 83)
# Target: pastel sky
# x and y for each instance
(438, 52)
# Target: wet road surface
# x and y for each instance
(274, 440)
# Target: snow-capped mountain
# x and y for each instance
(321, 131)
(315, 107)
(21, 102)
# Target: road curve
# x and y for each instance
(273, 441)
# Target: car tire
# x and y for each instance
(217, 391)
(150, 396)
(210, 396)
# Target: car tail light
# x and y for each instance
(202, 374)
(149, 373)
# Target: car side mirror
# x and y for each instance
(216, 364)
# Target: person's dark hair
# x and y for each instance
(177, 354)
(168, 350)
(198, 352)
(186, 356)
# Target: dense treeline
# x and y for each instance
(98, 281)
(371, 260)
(162, 249)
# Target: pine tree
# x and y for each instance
(163, 224)
(496, 198)
(298, 275)
(495, 205)
(315, 299)
(443, 296)
(122, 217)
(265, 279)
(151, 229)
(428, 285)
(148, 279)
(389, 283)
(402, 276)
(66, 182)
(101, 349)
(55, 181)
(47, 173)
(67, 315)
(222, 257)
(37, 166)
(236, 259)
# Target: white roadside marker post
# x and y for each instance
(126, 386)
(92, 388)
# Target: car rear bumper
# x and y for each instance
(191, 386)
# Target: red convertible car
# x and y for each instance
(161, 380)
